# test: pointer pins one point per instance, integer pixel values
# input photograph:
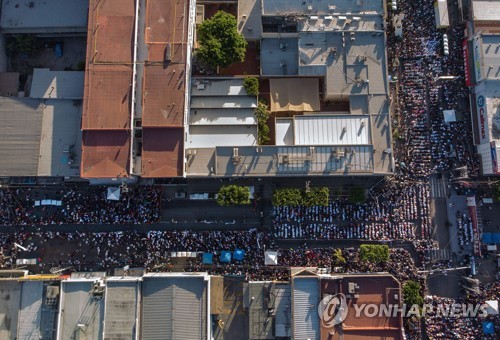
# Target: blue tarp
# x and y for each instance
(491, 238)
(225, 256)
(486, 237)
(488, 327)
(238, 255)
(208, 258)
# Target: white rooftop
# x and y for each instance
(57, 84)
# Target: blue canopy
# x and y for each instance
(225, 256)
(238, 255)
(208, 258)
(488, 327)
(491, 238)
(487, 238)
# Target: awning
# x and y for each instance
(113, 194)
(492, 307)
(294, 94)
(208, 258)
(271, 258)
(449, 116)
(225, 257)
(238, 255)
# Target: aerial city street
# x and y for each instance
(249, 169)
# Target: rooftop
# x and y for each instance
(490, 46)
(81, 311)
(105, 153)
(299, 7)
(485, 10)
(10, 300)
(49, 84)
(9, 84)
(162, 152)
(41, 17)
(170, 303)
(121, 308)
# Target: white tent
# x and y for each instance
(113, 194)
(271, 258)
(492, 307)
(449, 116)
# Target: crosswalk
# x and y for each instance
(438, 187)
(439, 255)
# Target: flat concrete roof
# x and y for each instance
(357, 68)
(485, 10)
(223, 117)
(30, 313)
(81, 311)
(10, 300)
(269, 161)
(491, 55)
(299, 7)
(51, 16)
(249, 19)
(61, 139)
(121, 309)
(279, 56)
(49, 84)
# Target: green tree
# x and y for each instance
(233, 195)
(411, 294)
(374, 253)
(338, 258)
(220, 43)
(316, 196)
(287, 197)
(21, 43)
(496, 192)
(251, 85)
(262, 114)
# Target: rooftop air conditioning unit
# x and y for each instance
(313, 18)
(310, 8)
(329, 17)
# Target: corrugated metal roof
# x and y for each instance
(57, 84)
(329, 130)
(305, 308)
(121, 310)
(486, 10)
(31, 311)
(173, 308)
(20, 131)
(283, 309)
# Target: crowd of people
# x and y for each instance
(393, 212)
(440, 323)
(80, 205)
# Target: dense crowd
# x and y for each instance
(440, 325)
(80, 205)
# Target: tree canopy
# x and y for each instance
(220, 43)
(293, 197)
(251, 85)
(233, 195)
(262, 114)
(374, 253)
(411, 294)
